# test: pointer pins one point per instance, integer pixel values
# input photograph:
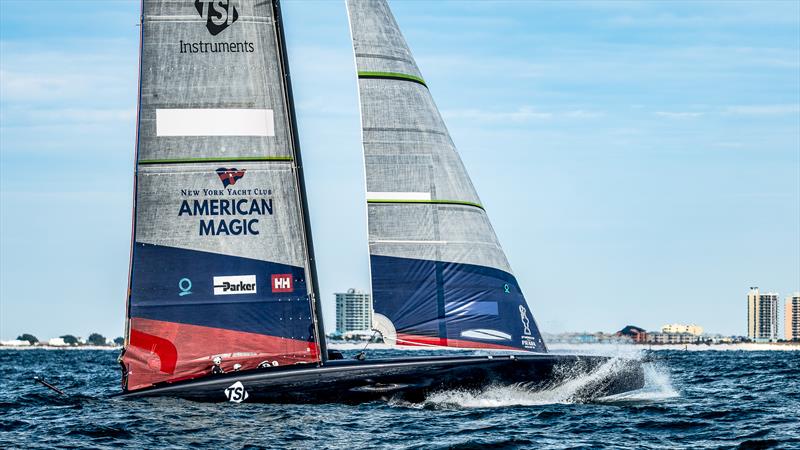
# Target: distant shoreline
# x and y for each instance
(554, 347)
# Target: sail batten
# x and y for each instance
(439, 274)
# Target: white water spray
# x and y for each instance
(573, 386)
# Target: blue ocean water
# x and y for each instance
(703, 399)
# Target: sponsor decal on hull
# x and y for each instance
(236, 393)
(235, 285)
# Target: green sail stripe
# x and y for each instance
(435, 202)
(392, 76)
(207, 160)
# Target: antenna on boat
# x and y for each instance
(41, 381)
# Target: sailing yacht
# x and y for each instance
(223, 301)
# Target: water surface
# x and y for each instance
(706, 399)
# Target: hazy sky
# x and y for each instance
(640, 161)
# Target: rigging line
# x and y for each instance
(361, 355)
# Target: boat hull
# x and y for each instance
(409, 379)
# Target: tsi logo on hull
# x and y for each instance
(282, 282)
(235, 285)
(236, 393)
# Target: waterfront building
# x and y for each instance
(672, 338)
(791, 317)
(677, 328)
(762, 316)
(633, 332)
(15, 343)
(57, 342)
(353, 311)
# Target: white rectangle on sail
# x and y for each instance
(398, 196)
(215, 122)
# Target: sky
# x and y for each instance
(640, 162)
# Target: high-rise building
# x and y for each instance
(678, 328)
(762, 316)
(791, 317)
(353, 311)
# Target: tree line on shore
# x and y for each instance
(94, 339)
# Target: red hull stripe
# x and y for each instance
(168, 351)
(410, 340)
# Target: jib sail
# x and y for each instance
(439, 275)
(220, 258)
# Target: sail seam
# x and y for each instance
(400, 130)
(435, 202)
(393, 76)
(387, 57)
(208, 160)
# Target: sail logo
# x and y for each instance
(229, 177)
(526, 323)
(185, 285)
(219, 14)
(236, 393)
(282, 283)
(235, 285)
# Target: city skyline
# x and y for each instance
(639, 162)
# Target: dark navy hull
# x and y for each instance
(410, 379)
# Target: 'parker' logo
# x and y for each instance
(230, 176)
(219, 14)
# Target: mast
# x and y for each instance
(311, 263)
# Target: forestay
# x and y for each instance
(219, 264)
(439, 275)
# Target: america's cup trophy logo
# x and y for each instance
(526, 323)
(219, 14)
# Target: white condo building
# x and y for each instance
(353, 311)
(791, 317)
(678, 328)
(762, 316)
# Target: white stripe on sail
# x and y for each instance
(398, 241)
(215, 122)
(398, 196)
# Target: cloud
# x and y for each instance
(763, 110)
(521, 114)
(678, 114)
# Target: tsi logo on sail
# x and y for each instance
(235, 285)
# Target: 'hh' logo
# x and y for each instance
(282, 282)
(219, 14)
(229, 176)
